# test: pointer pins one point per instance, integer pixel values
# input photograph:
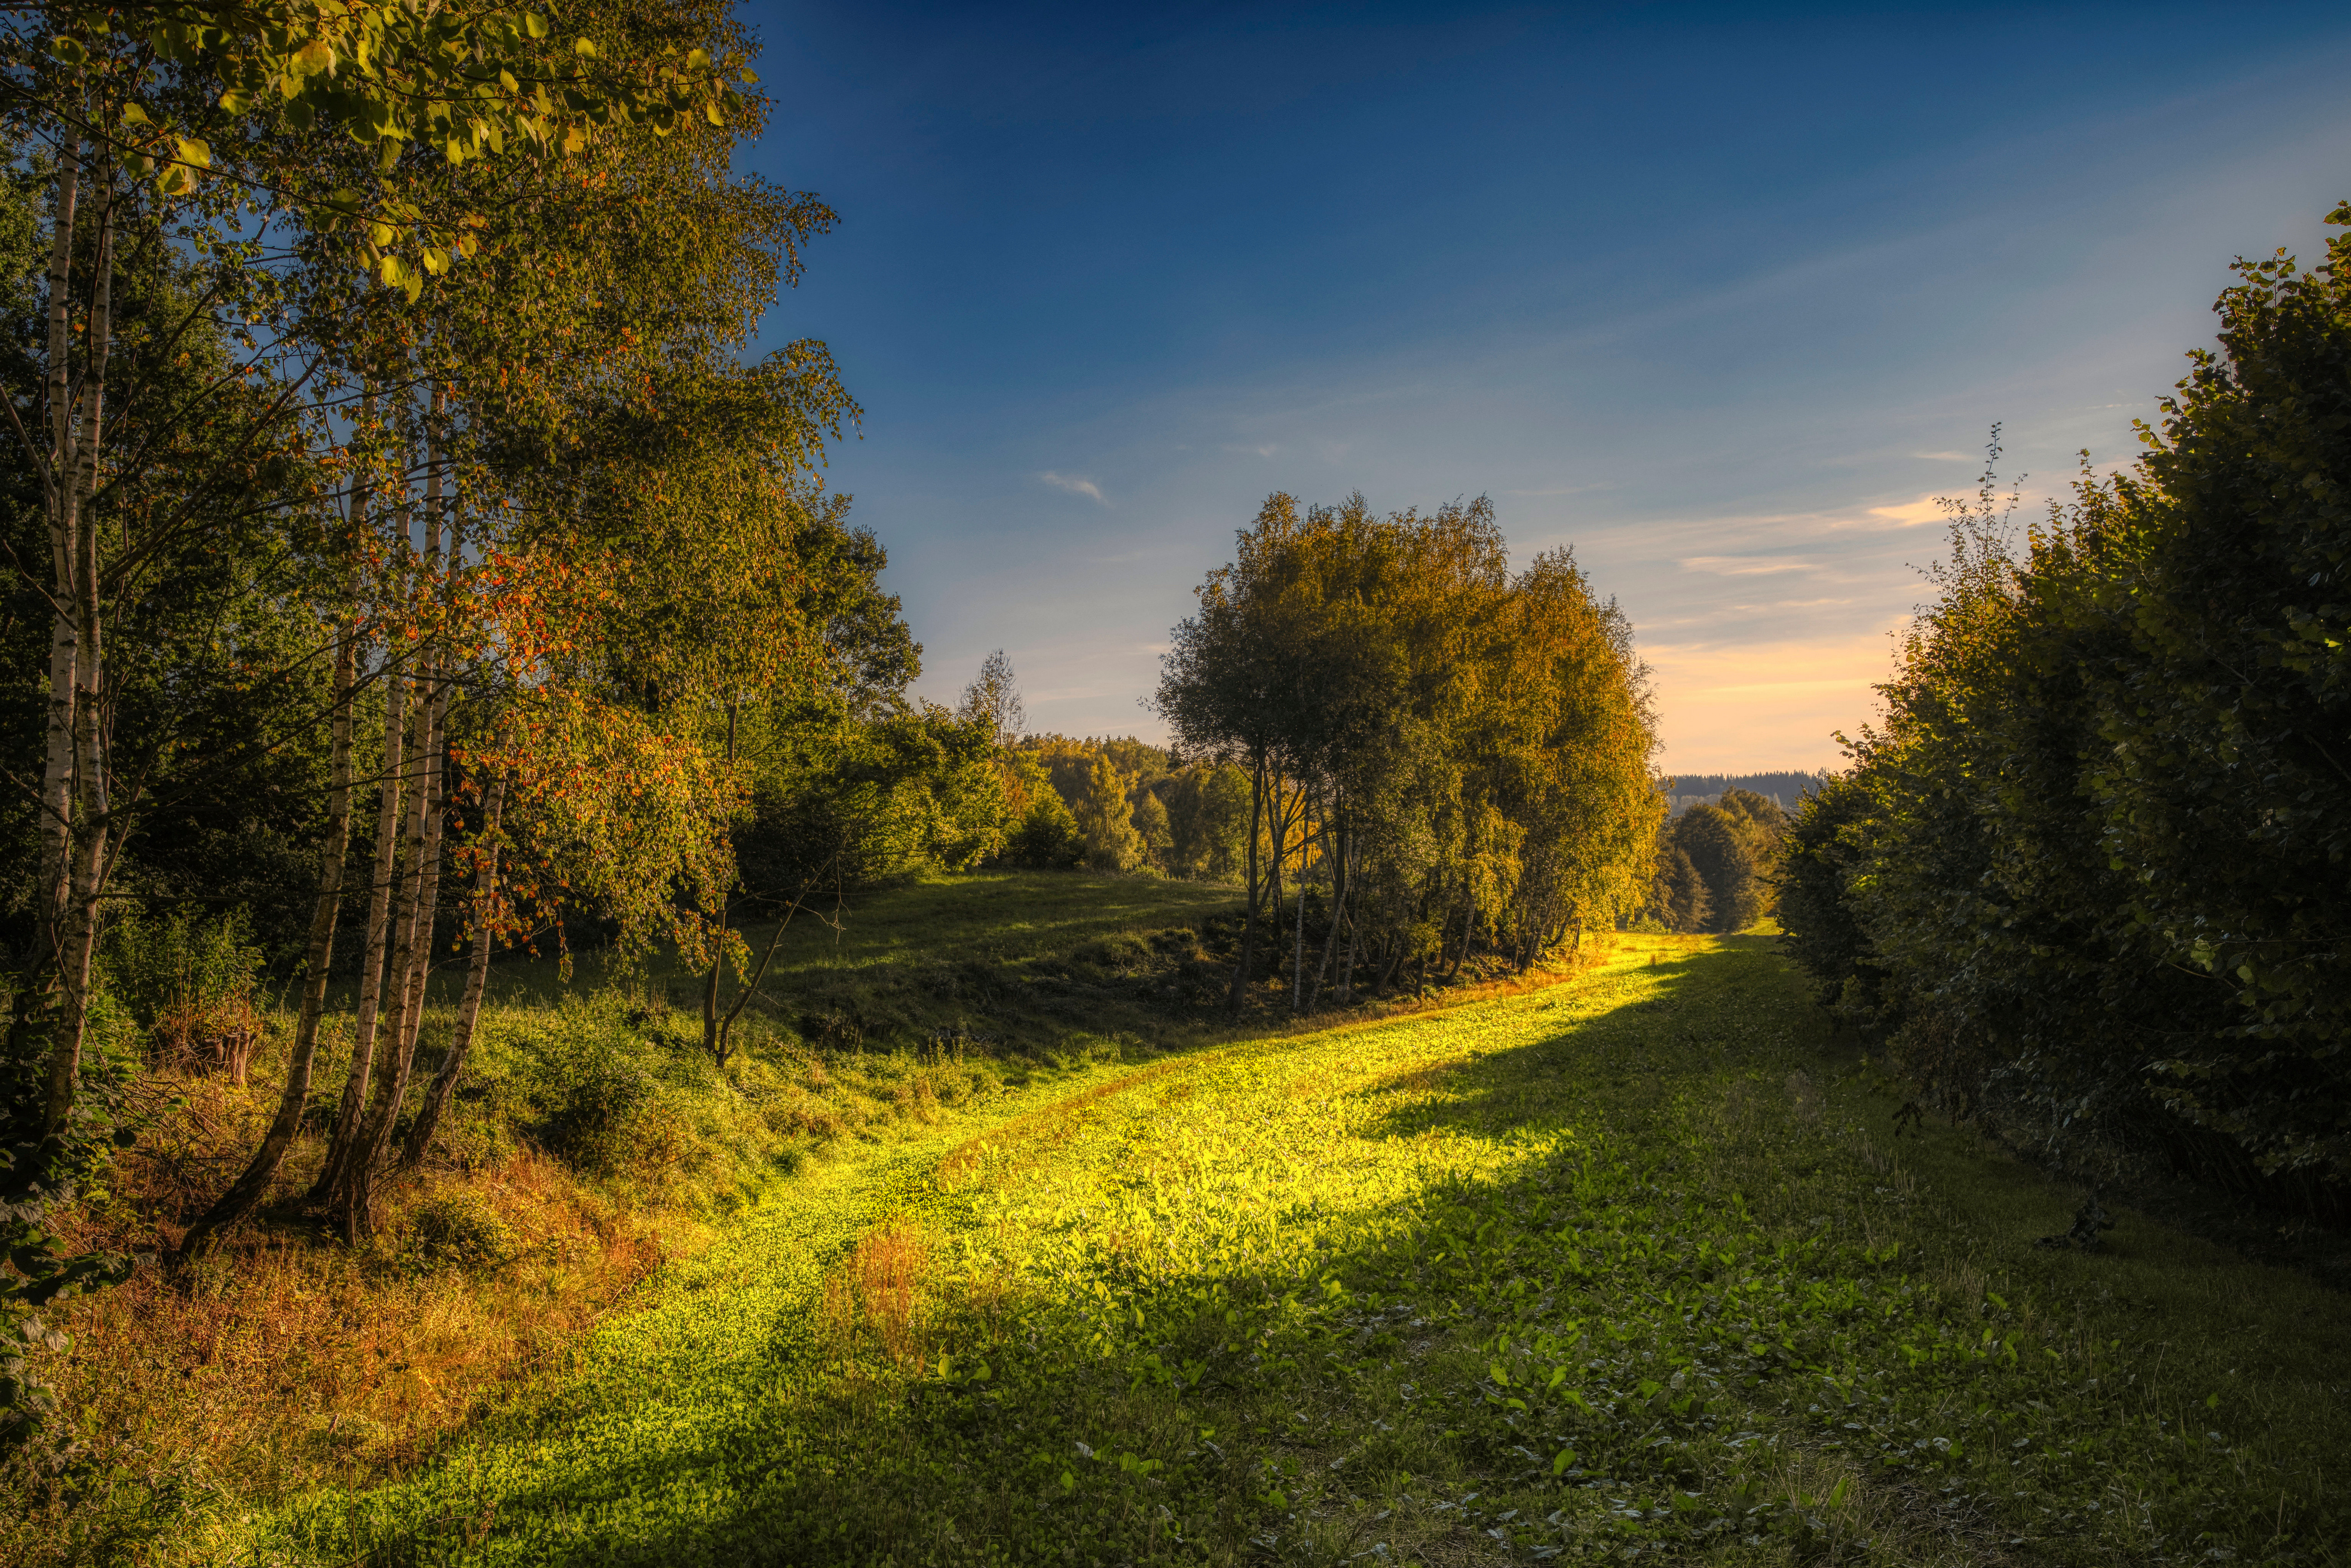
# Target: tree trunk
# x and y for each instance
(713, 1035)
(1249, 915)
(55, 815)
(89, 827)
(415, 962)
(354, 1201)
(1297, 956)
(247, 1190)
(1338, 865)
(356, 1171)
(387, 846)
(1280, 843)
(751, 986)
(477, 975)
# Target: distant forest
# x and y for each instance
(1787, 789)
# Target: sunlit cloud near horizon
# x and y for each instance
(1723, 302)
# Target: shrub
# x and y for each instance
(1049, 837)
(600, 1111)
(457, 1229)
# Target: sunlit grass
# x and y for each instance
(1626, 1267)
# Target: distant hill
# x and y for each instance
(1687, 790)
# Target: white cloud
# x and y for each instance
(1946, 456)
(1075, 486)
(1911, 514)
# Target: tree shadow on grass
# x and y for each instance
(814, 1444)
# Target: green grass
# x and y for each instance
(1627, 1269)
(1011, 957)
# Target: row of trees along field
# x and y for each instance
(2088, 873)
(402, 550)
(1446, 756)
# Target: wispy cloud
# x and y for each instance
(1741, 566)
(1948, 457)
(1075, 487)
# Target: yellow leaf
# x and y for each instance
(314, 57)
(134, 115)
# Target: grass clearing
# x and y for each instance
(1628, 1267)
(1008, 958)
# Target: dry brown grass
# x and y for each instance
(285, 1359)
(875, 1294)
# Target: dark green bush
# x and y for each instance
(457, 1229)
(601, 1112)
(2090, 874)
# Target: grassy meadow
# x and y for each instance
(1629, 1267)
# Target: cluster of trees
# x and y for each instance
(1132, 806)
(2089, 871)
(1117, 804)
(401, 551)
(1456, 755)
(1715, 864)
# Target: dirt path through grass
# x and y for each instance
(1624, 1268)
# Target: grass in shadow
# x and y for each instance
(1625, 1268)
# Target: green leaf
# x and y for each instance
(69, 50)
(1561, 1460)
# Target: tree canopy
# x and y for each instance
(2087, 871)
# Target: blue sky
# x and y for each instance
(1721, 297)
